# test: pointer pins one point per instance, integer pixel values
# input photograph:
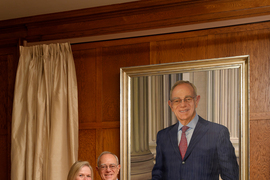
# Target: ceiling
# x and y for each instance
(12, 9)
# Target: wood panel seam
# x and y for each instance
(259, 116)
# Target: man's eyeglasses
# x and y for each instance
(111, 166)
(177, 101)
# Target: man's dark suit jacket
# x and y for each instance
(209, 153)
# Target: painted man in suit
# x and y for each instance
(209, 151)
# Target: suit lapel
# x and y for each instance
(174, 141)
(199, 131)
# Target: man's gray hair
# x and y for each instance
(107, 152)
(183, 82)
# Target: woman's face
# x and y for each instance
(84, 174)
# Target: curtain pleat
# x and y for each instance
(45, 114)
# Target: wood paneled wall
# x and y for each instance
(98, 63)
(98, 74)
(253, 40)
(8, 68)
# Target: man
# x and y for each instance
(204, 150)
(108, 166)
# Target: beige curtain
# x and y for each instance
(45, 114)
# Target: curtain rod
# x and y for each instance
(159, 31)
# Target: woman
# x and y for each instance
(81, 170)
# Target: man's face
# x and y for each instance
(108, 168)
(185, 109)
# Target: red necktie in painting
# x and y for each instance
(183, 142)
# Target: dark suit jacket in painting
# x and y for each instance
(209, 153)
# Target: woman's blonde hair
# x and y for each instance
(76, 167)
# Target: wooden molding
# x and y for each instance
(97, 125)
(260, 116)
(130, 17)
(160, 31)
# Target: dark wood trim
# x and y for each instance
(98, 125)
(170, 36)
(161, 31)
(129, 17)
